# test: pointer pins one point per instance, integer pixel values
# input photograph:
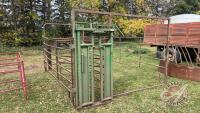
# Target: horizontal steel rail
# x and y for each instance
(57, 64)
(9, 90)
(8, 81)
(115, 14)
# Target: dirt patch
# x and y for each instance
(31, 67)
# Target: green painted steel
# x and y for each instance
(84, 71)
(87, 37)
(106, 68)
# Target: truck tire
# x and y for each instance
(159, 52)
(174, 55)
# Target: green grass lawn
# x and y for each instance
(45, 94)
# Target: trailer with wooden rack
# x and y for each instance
(183, 40)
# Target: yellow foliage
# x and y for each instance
(133, 27)
(139, 2)
(111, 1)
(86, 4)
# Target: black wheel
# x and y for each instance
(173, 55)
(159, 52)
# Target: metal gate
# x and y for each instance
(84, 66)
(12, 63)
(93, 51)
(130, 58)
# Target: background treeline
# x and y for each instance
(21, 20)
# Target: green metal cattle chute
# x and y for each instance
(93, 62)
(84, 64)
(84, 60)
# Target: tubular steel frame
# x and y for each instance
(18, 63)
(49, 46)
(59, 61)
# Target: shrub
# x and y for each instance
(16, 38)
(134, 27)
(141, 51)
(10, 38)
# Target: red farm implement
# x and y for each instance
(184, 50)
(10, 65)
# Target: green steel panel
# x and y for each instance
(106, 68)
(108, 76)
(87, 73)
(78, 69)
(106, 59)
(84, 76)
(84, 71)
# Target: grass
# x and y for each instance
(45, 94)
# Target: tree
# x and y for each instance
(185, 6)
(25, 18)
(85, 4)
(104, 5)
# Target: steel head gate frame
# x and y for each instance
(85, 66)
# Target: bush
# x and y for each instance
(134, 27)
(16, 38)
(135, 49)
(10, 38)
(141, 51)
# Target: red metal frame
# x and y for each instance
(17, 61)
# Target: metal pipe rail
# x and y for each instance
(58, 63)
(115, 14)
(53, 62)
(18, 64)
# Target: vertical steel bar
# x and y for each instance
(92, 65)
(23, 80)
(75, 57)
(198, 53)
(72, 77)
(22, 75)
(111, 62)
(175, 56)
(49, 56)
(188, 55)
(167, 50)
(177, 48)
(197, 56)
(57, 61)
(102, 70)
(184, 55)
(44, 55)
(79, 65)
